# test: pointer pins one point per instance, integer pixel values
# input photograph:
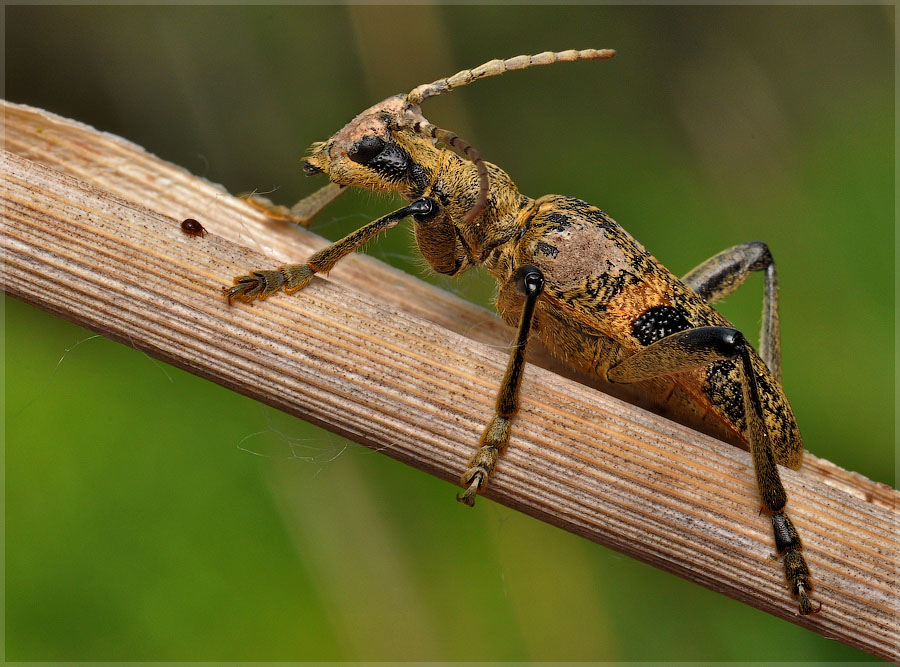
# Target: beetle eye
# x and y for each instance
(365, 149)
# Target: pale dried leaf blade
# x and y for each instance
(366, 354)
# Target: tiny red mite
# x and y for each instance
(192, 227)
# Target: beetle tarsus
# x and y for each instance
(258, 285)
(806, 603)
(479, 469)
(468, 497)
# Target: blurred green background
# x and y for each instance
(154, 516)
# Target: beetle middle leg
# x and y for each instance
(700, 347)
(529, 281)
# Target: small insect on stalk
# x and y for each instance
(569, 272)
(193, 227)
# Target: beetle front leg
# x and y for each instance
(303, 211)
(530, 282)
(294, 277)
(696, 348)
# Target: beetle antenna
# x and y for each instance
(465, 77)
(456, 142)
(497, 67)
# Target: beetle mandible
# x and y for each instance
(594, 295)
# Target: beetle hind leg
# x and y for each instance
(771, 490)
(698, 347)
(493, 442)
(796, 570)
(723, 273)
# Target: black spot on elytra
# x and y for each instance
(547, 249)
(658, 322)
(724, 390)
(558, 222)
(605, 287)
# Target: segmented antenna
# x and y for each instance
(497, 67)
(453, 140)
(467, 76)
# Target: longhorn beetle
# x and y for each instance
(593, 294)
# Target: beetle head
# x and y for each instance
(377, 150)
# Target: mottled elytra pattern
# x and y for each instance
(571, 273)
(725, 392)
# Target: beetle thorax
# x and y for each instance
(456, 188)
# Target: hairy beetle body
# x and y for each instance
(566, 269)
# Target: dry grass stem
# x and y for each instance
(91, 232)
